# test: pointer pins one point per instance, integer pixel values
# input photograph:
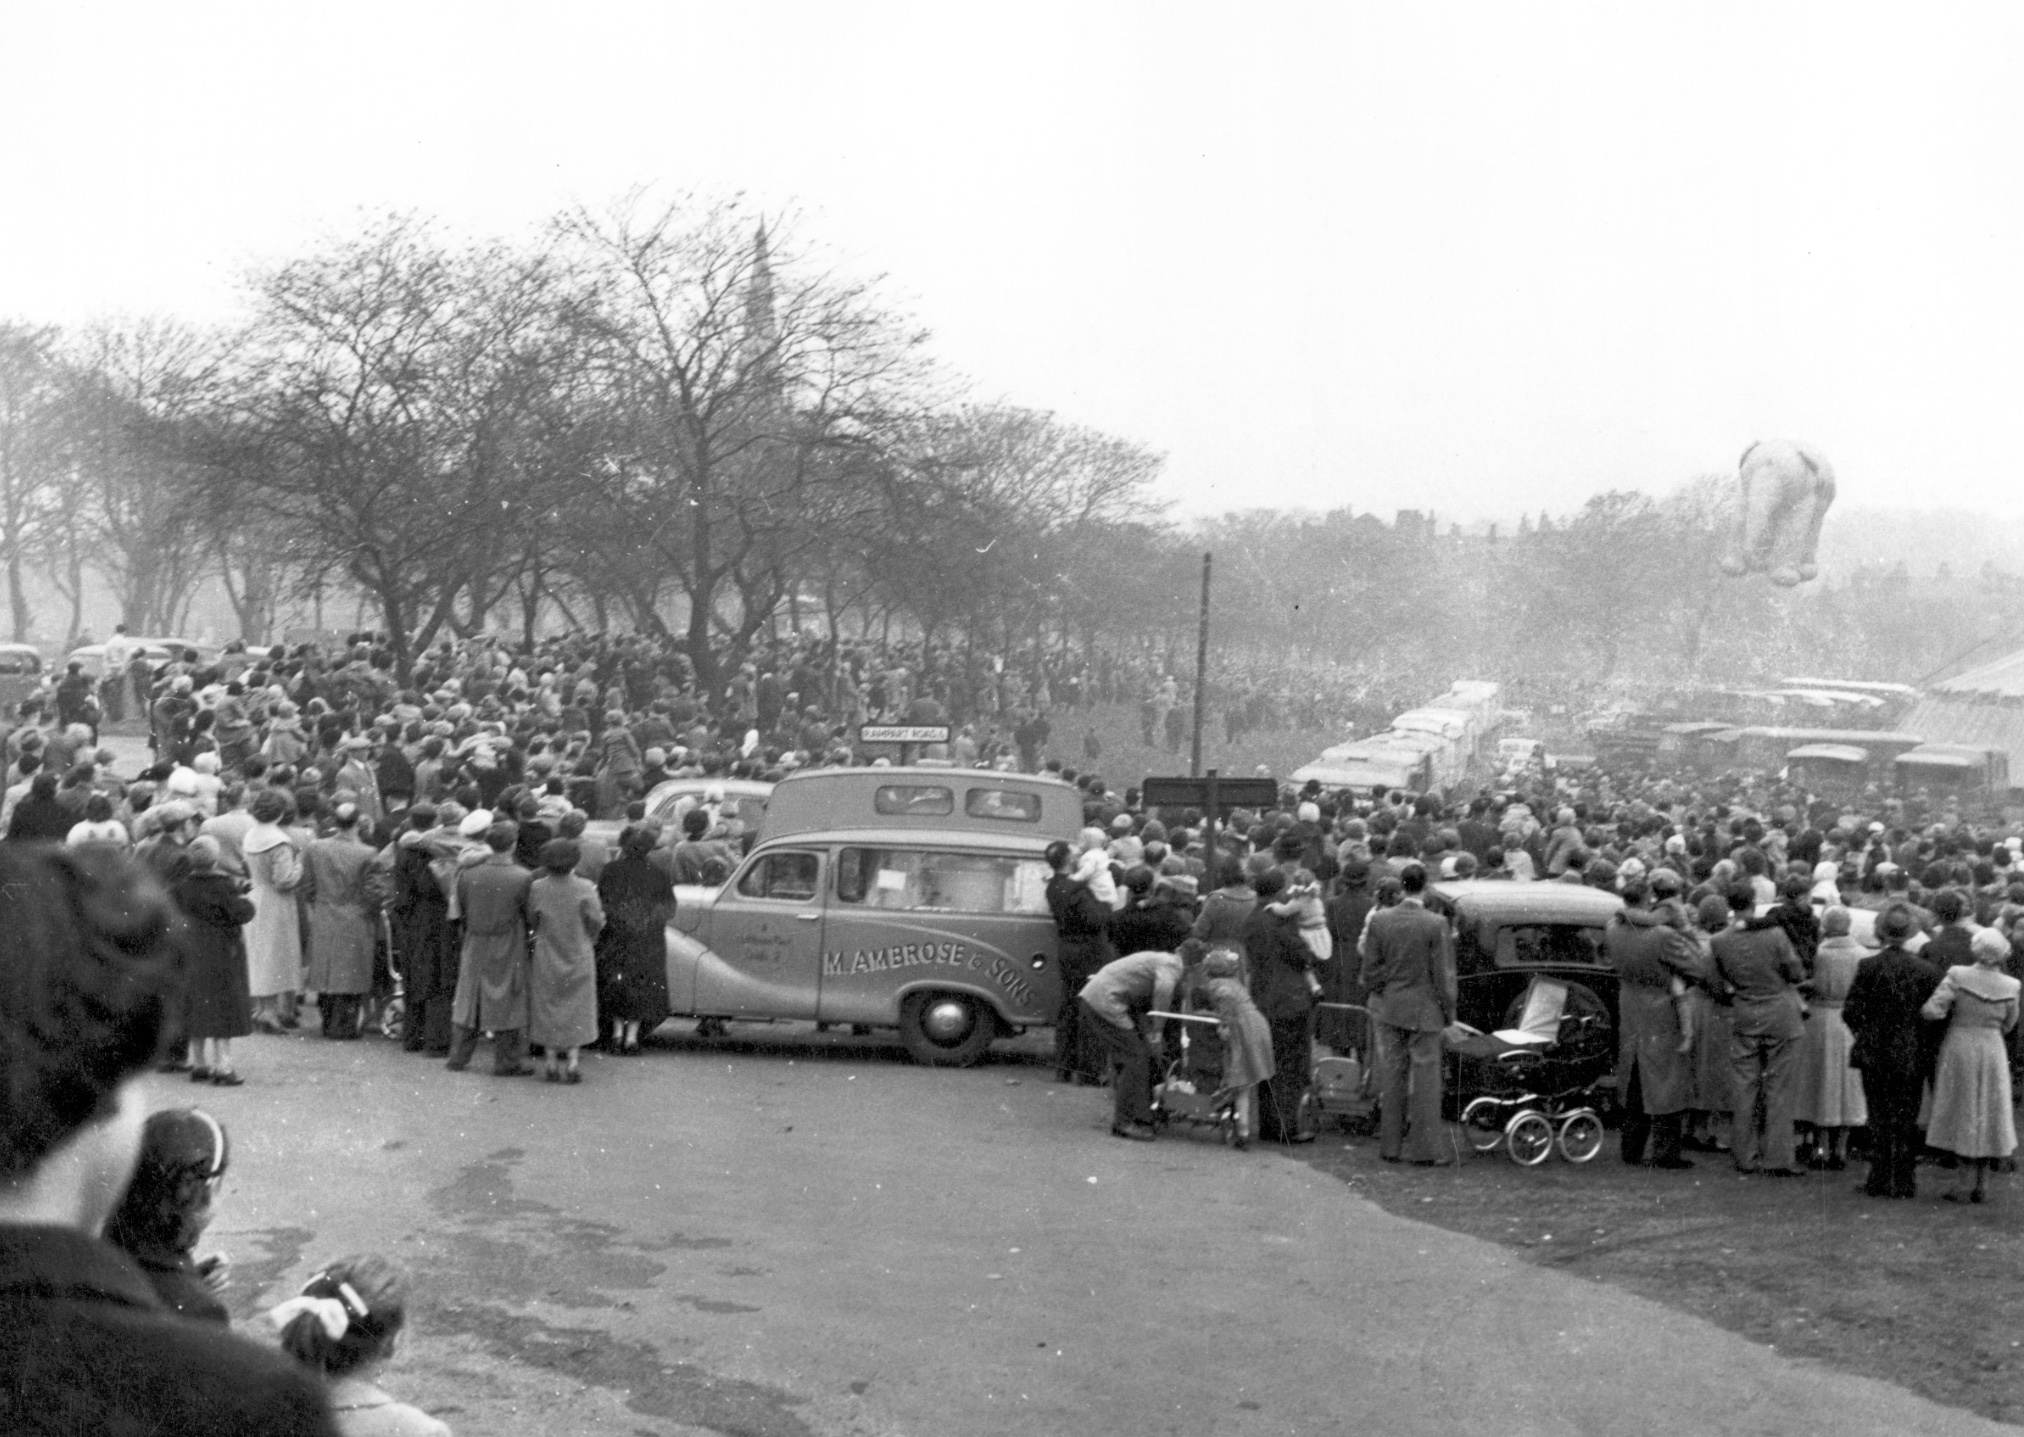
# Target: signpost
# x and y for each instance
(1215, 797)
(906, 735)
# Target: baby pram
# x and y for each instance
(1189, 1090)
(1535, 1087)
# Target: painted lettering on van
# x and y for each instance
(844, 964)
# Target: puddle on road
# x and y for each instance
(502, 1250)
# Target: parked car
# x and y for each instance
(741, 798)
(21, 674)
(1508, 933)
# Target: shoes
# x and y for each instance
(1240, 1142)
(227, 1080)
(1951, 1197)
(174, 1065)
(1673, 1165)
(551, 1076)
(519, 1071)
(1137, 1132)
(630, 1050)
(456, 1067)
(1975, 1196)
(574, 1075)
(1423, 1162)
(200, 1075)
(1390, 1158)
(1835, 1165)
(1301, 1138)
(1784, 1172)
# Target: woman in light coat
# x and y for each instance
(1971, 1115)
(566, 917)
(1827, 1092)
(274, 937)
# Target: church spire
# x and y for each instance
(761, 333)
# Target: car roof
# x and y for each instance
(1503, 901)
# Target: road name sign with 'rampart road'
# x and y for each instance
(904, 733)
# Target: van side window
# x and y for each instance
(914, 800)
(1002, 803)
(787, 877)
(924, 879)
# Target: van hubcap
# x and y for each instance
(947, 1020)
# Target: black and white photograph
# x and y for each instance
(880, 719)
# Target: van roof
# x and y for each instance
(936, 800)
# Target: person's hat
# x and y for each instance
(1121, 824)
(1630, 868)
(475, 823)
(1308, 812)
(1181, 883)
(1664, 880)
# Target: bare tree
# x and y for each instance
(36, 433)
(729, 378)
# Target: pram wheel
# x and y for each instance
(1529, 1139)
(1580, 1135)
(1483, 1123)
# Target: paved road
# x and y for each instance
(798, 1235)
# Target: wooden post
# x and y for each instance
(1209, 842)
(1201, 678)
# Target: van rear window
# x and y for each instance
(915, 800)
(1005, 803)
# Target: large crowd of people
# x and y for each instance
(310, 820)
(1757, 1016)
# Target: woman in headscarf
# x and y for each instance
(219, 1007)
(632, 957)
(274, 937)
(1971, 1115)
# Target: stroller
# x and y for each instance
(1190, 1090)
(1537, 1086)
(1345, 1083)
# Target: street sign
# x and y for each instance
(904, 733)
(1194, 793)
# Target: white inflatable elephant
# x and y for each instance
(1787, 487)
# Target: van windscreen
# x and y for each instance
(915, 800)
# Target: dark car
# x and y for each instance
(1507, 933)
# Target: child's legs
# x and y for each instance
(1245, 1101)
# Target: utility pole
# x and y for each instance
(1201, 678)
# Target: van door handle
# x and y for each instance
(808, 917)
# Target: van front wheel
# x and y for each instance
(946, 1030)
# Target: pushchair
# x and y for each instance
(1345, 1083)
(1536, 1087)
(1190, 1089)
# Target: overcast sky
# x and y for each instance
(1474, 258)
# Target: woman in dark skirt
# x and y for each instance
(632, 955)
(220, 1005)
